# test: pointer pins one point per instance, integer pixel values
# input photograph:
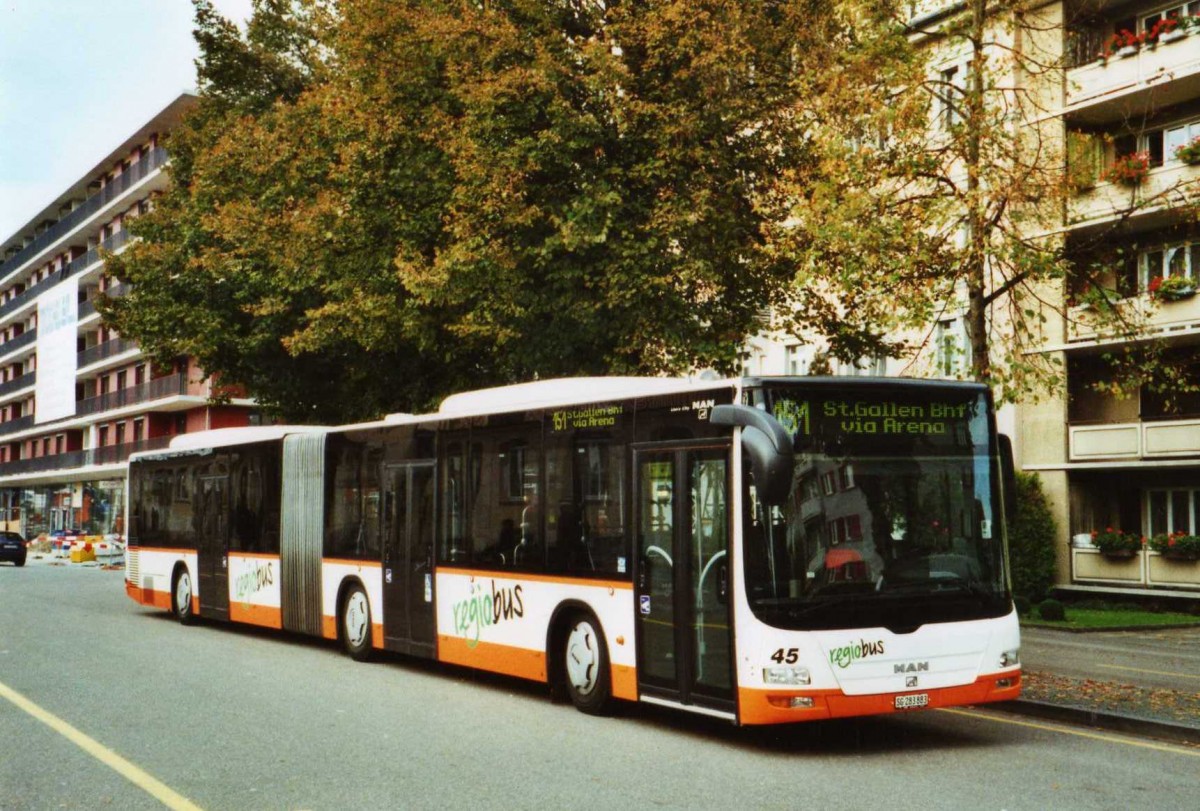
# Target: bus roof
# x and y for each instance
(568, 391)
(225, 437)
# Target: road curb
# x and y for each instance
(1163, 730)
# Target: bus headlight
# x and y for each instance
(1010, 658)
(786, 675)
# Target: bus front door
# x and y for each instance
(683, 607)
(408, 622)
(211, 501)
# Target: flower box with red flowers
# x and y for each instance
(1129, 170)
(1177, 545)
(1114, 543)
(1171, 288)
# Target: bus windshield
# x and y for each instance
(893, 518)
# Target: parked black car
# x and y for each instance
(12, 548)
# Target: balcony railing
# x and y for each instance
(154, 390)
(99, 352)
(88, 307)
(17, 383)
(111, 455)
(137, 172)
(1129, 70)
(1135, 440)
(77, 264)
(1163, 318)
(20, 342)
(19, 424)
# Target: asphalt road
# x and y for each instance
(238, 719)
(1166, 659)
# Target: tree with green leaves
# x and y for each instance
(945, 188)
(377, 203)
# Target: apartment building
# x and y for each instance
(1130, 110)
(75, 397)
(1123, 98)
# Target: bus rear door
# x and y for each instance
(211, 498)
(408, 621)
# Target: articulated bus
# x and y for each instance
(764, 550)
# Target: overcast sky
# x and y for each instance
(77, 77)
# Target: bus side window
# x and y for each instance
(455, 545)
(505, 504)
(585, 494)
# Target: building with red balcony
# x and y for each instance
(76, 398)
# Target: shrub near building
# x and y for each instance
(1031, 540)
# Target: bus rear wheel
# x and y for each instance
(181, 597)
(585, 665)
(356, 624)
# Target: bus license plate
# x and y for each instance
(912, 702)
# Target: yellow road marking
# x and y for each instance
(1096, 736)
(1155, 672)
(171, 799)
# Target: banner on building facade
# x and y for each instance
(58, 315)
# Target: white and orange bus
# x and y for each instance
(764, 550)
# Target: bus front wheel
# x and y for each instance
(356, 624)
(585, 665)
(181, 597)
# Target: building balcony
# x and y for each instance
(1105, 89)
(92, 457)
(28, 298)
(1164, 188)
(22, 341)
(1160, 319)
(1146, 569)
(19, 424)
(80, 214)
(18, 383)
(1160, 439)
(88, 308)
(163, 387)
(99, 352)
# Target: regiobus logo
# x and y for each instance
(844, 656)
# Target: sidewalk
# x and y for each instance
(1142, 682)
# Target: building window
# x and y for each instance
(795, 364)
(1170, 511)
(863, 367)
(1181, 260)
(952, 352)
(949, 96)
(829, 483)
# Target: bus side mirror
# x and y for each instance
(1008, 477)
(767, 444)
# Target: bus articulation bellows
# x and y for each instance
(765, 550)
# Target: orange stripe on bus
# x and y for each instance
(756, 707)
(267, 616)
(179, 552)
(506, 659)
(370, 564)
(253, 556)
(329, 630)
(538, 578)
(624, 682)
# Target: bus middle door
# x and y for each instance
(683, 607)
